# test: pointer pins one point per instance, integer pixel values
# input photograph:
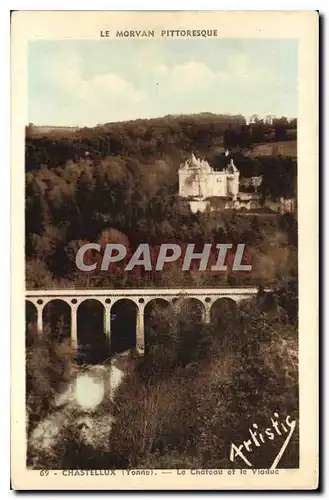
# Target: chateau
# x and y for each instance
(198, 179)
(199, 182)
(207, 189)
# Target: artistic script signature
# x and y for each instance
(256, 439)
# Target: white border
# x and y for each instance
(4, 198)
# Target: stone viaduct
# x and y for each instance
(140, 297)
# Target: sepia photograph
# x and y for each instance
(162, 252)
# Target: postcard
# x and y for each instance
(164, 250)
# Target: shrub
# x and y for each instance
(47, 371)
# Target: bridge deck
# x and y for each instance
(141, 292)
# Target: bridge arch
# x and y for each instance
(157, 303)
(82, 300)
(30, 311)
(191, 308)
(56, 314)
(223, 308)
(156, 319)
(92, 342)
(124, 320)
(31, 320)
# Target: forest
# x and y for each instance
(117, 183)
(224, 376)
(148, 140)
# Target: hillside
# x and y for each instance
(117, 183)
(50, 131)
(282, 148)
(171, 137)
(121, 179)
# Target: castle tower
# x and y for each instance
(199, 182)
(193, 178)
(233, 175)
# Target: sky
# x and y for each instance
(90, 82)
